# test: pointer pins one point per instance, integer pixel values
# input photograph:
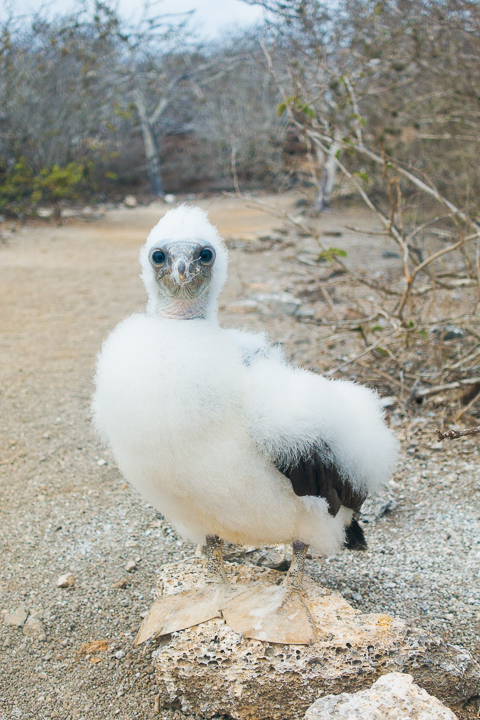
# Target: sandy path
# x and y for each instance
(64, 507)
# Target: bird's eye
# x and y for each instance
(206, 256)
(158, 257)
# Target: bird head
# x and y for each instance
(184, 265)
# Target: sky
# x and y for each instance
(211, 16)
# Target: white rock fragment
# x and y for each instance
(65, 581)
(130, 201)
(131, 566)
(37, 612)
(305, 312)
(169, 199)
(388, 401)
(44, 212)
(393, 697)
(33, 628)
(280, 303)
(120, 654)
(16, 617)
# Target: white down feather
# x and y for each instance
(195, 415)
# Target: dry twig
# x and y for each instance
(454, 434)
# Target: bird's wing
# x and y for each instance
(327, 436)
(315, 476)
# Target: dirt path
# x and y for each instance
(64, 507)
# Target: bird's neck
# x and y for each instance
(182, 307)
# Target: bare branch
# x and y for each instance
(454, 434)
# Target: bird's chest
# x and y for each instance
(171, 394)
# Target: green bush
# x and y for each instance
(21, 190)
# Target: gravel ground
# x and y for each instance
(65, 509)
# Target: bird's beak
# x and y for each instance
(181, 270)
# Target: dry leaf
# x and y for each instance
(93, 647)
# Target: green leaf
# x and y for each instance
(330, 254)
(362, 175)
(297, 104)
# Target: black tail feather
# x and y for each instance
(354, 536)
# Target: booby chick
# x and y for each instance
(227, 439)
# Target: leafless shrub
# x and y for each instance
(360, 90)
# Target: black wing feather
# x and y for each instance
(313, 475)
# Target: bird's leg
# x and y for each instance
(193, 606)
(215, 567)
(294, 579)
(275, 613)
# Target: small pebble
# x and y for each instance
(131, 566)
(122, 583)
(120, 654)
(66, 580)
(16, 617)
(33, 628)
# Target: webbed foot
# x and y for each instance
(184, 609)
(271, 613)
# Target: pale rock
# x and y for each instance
(16, 617)
(131, 566)
(243, 306)
(393, 697)
(305, 312)
(37, 612)
(65, 581)
(387, 402)
(130, 201)
(210, 670)
(279, 303)
(169, 199)
(44, 212)
(33, 628)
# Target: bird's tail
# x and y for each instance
(355, 537)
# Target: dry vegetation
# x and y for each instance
(385, 98)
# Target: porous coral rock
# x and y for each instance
(393, 697)
(210, 670)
